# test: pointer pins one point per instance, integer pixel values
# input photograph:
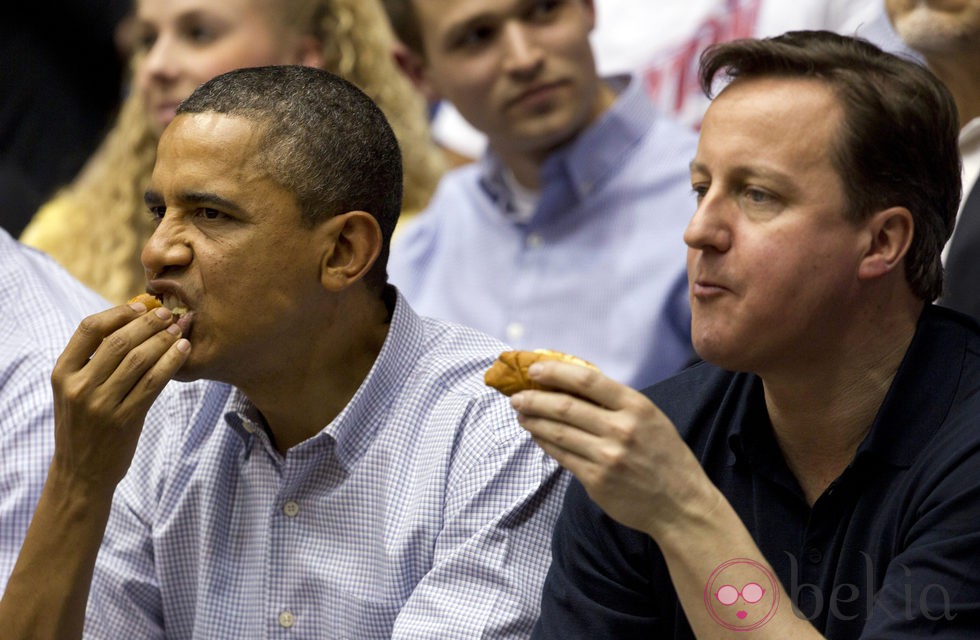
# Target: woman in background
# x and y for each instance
(96, 227)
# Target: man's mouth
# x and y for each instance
(175, 305)
(183, 316)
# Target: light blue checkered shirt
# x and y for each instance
(422, 511)
(42, 305)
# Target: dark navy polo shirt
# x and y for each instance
(890, 550)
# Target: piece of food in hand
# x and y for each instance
(508, 374)
(151, 302)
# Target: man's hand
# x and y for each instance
(114, 367)
(622, 448)
(633, 463)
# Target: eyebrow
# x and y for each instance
(152, 198)
(199, 198)
(743, 171)
(457, 30)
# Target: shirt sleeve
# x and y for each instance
(603, 580)
(26, 445)
(492, 553)
(125, 599)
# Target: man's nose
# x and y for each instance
(709, 227)
(523, 54)
(168, 248)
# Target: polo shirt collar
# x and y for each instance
(917, 402)
(922, 391)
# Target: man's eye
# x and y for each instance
(758, 196)
(543, 10)
(158, 212)
(210, 214)
(699, 191)
(475, 37)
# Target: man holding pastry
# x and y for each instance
(335, 466)
(819, 474)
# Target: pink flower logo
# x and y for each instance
(741, 595)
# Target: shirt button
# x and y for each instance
(814, 555)
(290, 509)
(534, 240)
(515, 331)
(286, 619)
(249, 426)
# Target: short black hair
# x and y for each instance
(898, 144)
(323, 139)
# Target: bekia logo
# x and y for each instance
(742, 595)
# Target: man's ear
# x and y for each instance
(352, 243)
(414, 67)
(891, 232)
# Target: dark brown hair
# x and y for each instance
(898, 143)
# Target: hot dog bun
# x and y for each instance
(508, 374)
(151, 302)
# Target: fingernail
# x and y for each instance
(174, 329)
(162, 312)
(517, 400)
(138, 307)
(183, 345)
(534, 369)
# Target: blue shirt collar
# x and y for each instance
(582, 165)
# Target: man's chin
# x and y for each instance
(186, 376)
(191, 371)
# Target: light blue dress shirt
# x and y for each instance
(42, 305)
(598, 270)
(423, 510)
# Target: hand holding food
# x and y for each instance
(111, 371)
(508, 375)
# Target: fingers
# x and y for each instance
(560, 408)
(102, 340)
(156, 376)
(567, 428)
(584, 382)
(587, 415)
(119, 360)
(556, 427)
(146, 364)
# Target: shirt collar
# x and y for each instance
(598, 151)
(356, 425)
(592, 156)
(750, 439)
(922, 391)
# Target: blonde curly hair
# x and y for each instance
(96, 226)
